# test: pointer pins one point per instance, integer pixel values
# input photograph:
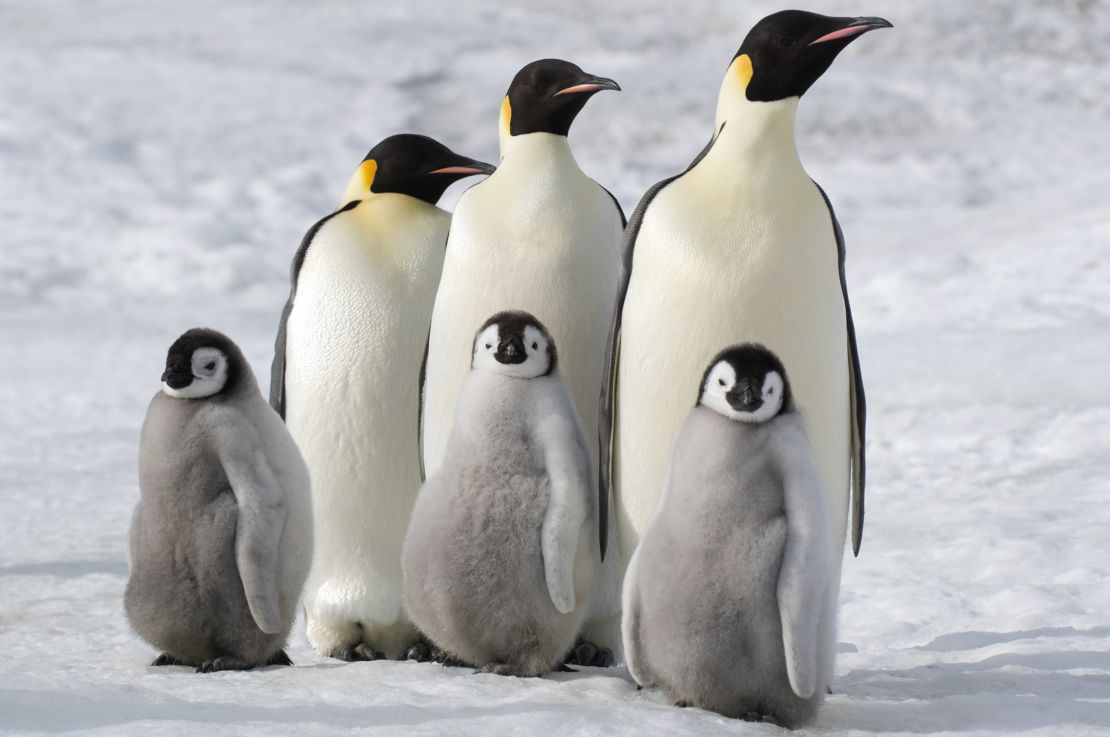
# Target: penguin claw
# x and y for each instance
(682, 704)
(586, 653)
(224, 662)
(500, 669)
(424, 652)
(279, 658)
(358, 653)
(165, 659)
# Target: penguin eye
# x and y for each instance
(786, 41)
(535, 345)
(771, 392)
(721, 382)
(210, 365)
(489, 345)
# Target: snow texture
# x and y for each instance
(160, 161)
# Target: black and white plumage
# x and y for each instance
(345, 377)
(221, 540)
(727, 601)
(502, 551)
(742, 245)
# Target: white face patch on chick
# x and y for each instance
(511, 351)
(207, 376)
(746, 398)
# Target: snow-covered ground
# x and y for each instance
(160, 161)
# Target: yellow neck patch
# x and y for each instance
(506, 116)
(744, 71)
(360, 182)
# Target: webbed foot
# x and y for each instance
(165, 659)
(587, 653)
(355, 653)
(500, 669)
(424, 652)
(279, 658)
(224, 662)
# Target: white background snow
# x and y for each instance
(159, 163)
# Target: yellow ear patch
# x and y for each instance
(744, 71)
(359, 185)
(506, 116)
(368, 169)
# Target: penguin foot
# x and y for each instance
(451, 662)
(682, 704)
(755, 716)
(424, 652)
(500, 669)
(279, 658)
(165, 659)
(224, 662)
(356, 653)
(587, 653)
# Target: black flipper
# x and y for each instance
(420, 407)
(608, 385)
(277, 368)
(620, 210)
(857, 397)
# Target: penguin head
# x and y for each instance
(785, 53)
(203, 363)
(546, 95)
(514, 344)
(412, 165)
(746, 383)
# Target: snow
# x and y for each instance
(159, 163)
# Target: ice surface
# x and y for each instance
(160, 161)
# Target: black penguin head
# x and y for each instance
(203, 363)
(746, 383)
(514, 344)
(787, 51)
(546, 95)
(417, 166)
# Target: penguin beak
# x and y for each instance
(511, 350)
(855, 27)
(589, 84)
(176, 379)
(466, 168)
(744, 398)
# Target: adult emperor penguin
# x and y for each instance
(727, 600)
(541, 236)
(502, 552)
(221, 540)
(346, 379)
(742, 246)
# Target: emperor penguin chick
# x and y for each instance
(346, 379)
(728, 602)
(502, 550)
(221, 540)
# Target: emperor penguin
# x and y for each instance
(727, 601)
(345, 377)
(503, 550)
(221, 540)
(742, 246)
(538, 235)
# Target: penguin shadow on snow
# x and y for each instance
(1008, 691)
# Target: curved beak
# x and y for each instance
(854, 27)
(466, 168)
(590, 84)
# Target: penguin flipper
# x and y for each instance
(568, 471)
(422, 379)
(856, 393)
(261, 516)
(802, 589)
(607, 409)
(277, 368)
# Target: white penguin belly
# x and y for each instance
(548, 247)
(355, 342)
(704, 280)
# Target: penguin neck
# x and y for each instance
(759, 134)
(536, 150)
